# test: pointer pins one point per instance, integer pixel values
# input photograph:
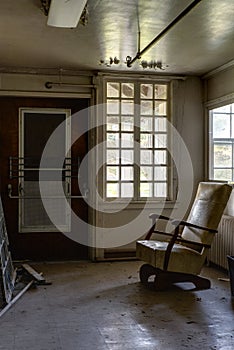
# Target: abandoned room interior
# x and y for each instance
(117, 173)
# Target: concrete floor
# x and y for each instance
(103, 306)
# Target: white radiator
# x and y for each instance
(223, 243)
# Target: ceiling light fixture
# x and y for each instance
(65, 13)
(108, 63)
(152, 65)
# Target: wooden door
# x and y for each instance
(37, 245)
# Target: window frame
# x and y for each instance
(136, 134)
(224, 140)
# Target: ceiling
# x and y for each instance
(200, 42)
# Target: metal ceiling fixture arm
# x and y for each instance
(163, 32)
(139, 36)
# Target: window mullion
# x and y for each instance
(137, 141)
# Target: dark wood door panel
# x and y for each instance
(36, 245)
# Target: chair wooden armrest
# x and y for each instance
(185, 223)
(154, 216)
(199, 244)
(175, 238)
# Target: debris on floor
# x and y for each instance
(26, 277)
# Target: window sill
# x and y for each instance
(117, 205)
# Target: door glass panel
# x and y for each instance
(146, 157)
(160, 91)
(127, 124)
(112, 190)
(112, 124)
(160, 190)
(112, 140)
(127, 190)
(146, 107)
(127, 107)
(146, 91)
(127, 156)
(126, 173)
(146, 189)
(127, 140)
(112, 173)
(160, 108)
(146, 141)
(112, 107)
(127, 90)
(112, 156)
(146, 124)
(113, 89)
(36, 126)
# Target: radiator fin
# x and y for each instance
(223, 243)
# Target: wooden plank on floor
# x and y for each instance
(34, 273)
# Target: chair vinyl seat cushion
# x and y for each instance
(182, 259)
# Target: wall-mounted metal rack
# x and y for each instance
(19, 167)
(28, 168)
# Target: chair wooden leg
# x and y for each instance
(145, 272)
(165, 279)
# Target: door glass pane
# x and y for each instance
(146, 90)
(112, 107)
(127, 123)
(112, 123)
(112, 156)
(146, 157)
(127, 107)
(146, 124)
(160, 91)
(126, 173)
(160, 190)
(146, 189)
(160, 157)
(127, 156)
(146, 173)
(36, 128)
(146, 141)
(112, 173)
(112, 190)
(112, 140)
(127, 190)
(127, 140)
(160, 141)
(113, 89)
(160, 173)
(127, 90)
(160, 108)
(160, 124)
(146, 107)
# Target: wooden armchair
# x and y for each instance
(181, 257)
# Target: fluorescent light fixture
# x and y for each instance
(65, 13)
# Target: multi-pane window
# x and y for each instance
(136, 135)
(221, 150)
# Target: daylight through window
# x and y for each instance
(222, 143)
(137, 160)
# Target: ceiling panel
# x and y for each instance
(201, 41)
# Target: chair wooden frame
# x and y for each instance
(163, 278)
